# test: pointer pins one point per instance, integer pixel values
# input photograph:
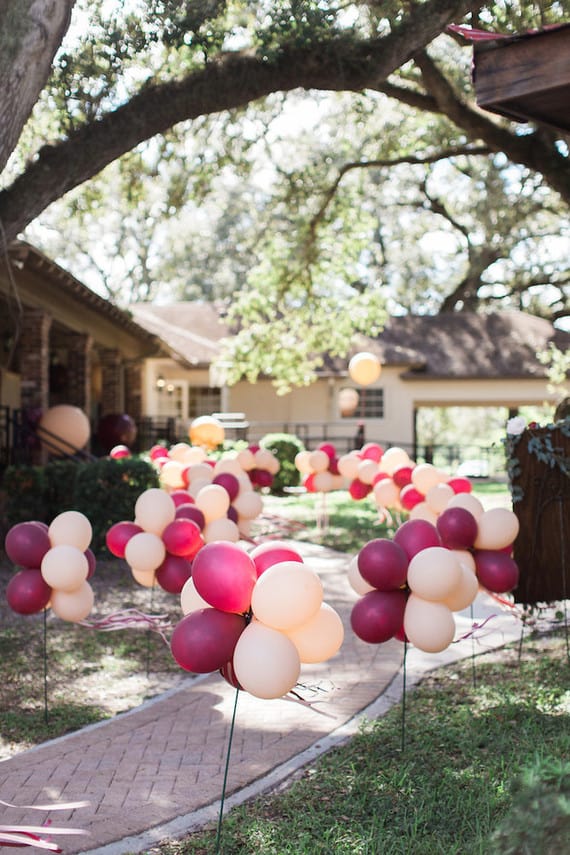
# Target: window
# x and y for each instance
(370, 405)
(204, 400)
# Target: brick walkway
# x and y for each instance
(146, 773)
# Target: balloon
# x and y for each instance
(302, 462)
(27, 592)
(273, 552)
(348, 399)
(248, 504)
(383, 564)
(190, 599)
(173, 573)
(422, 511)
(318, 461)
(428, 626)
(367, 470)
(205, 639)
(434, 573)
(223, 529)
(265, 459)
(182, 537)
(191, 512)
(266, 663)
(457, 528)
(348, 465)
(329, 449)
(372, 451)
(73, 605)
(172, 475)
(402, 476)
(65, 567)
(146, 578)
(154, 509)
(364, 368)
(409, 495)
(425, 476)
(229, 482)
(157, 452)
(246, 459)
(498, 528)
(464, 594)
(224, 575)
(286, 595)
(358, 490)
(91, 562)
(72, 528)
(323, 482)
(496, 571)
(181, 497)
(26, 543)
(460, 485)
(320, 637)
(378, 615)
(213, 501)
(386, 494)
(415, 535)
(116, 429)
(206, 431)
(438, 497)
(119, 535)
(467, 501)
(182, 453)
(145, 551)
(64, 429)
(393, 458)
(357, 583)
(120, 452)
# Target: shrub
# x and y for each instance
(285, 447)
(24, 489)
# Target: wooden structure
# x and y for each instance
(525, 77)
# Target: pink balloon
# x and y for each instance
(27, 592)
(158, 451)
(272, 552)
(358, 490)
(496, 571)
(410, 496)
(383, 564)
(120, 452)
(460, 485)
(329, 449)
(229, 482)
(371, 451)
(119, 535)
(415, 535)
(224, 575)
(181, 497)
(205, 640)
(173, 573)
(189, 511)
(182, 537)
(378, 615)
(403, 476)
(26, 544)
(457, 528)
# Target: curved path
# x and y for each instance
(158, 771)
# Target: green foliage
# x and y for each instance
(285, 447)
(24, 488)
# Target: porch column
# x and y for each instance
(34, 359)
(112, 381)
(133, 390)
(79, 367)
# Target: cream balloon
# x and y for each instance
(323, 482)
(72, 528)
(75, 605)
(302, 462)
(213, 501)
(359, 585)
(469, 502)
(319, 460)
(145, 578)
(438, 497)
(428, 626)
(386, 494)
(425, 476)
(264, 459)
(364, 368)
(320, 637)
(266, 663)
(64, 567)
(348, 400)
(154, 509)
(64, 429)
(466, 558)
(229, 464)
(190, 599)
(221, 529)
(434, 573)
(497, 528)
(171, 474)
(180, 452)
(248, 504)
(367, 471)
(422, 511)
(286, 595)
(466, 591)
(246, 459)
(347, 465)
(145, 551)
(393, 458)
(199, 472)
(197, 485)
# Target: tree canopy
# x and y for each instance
(179, 133)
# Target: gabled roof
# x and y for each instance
(192, 329)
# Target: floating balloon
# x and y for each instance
(190, 599)
(119, 535)
(496, 571)
(65, 567)
(434, 573)
(64, 429)
(182, 537)
(364, 368)
(359, 585)
(145, 551)
(206, 431)
(173, 573)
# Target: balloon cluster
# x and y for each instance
(319, 469)
(256, 617)
(411, 585)
(361, 469)
(56, 563)
(260, 464)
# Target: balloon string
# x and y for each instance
(404, 696)
(223, 798)
(46, 716)
(473, 670)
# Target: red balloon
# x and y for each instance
(380, 477)
(27, 592)
(119, 452)
(191, 512)
(371, 451)
(415, 535)
(119, 535)
(496, 570)
(158, 451)
(26, 544)
(378, 615)
(460, 485)
(229, 482)
(224, 575)
(272, 552)
(173, 573)
(91, 562)
(328, 449)
(410, 497)
(402, 476)
(182, 537)
(383, 564)
(205, 640)
(333, 466)
(309, 483)
(457, 528)
(358, 489)
(181, 497)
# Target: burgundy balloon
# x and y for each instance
(191, 512)
(181, 497)
(119, 535)
(229, 675)
(260, 477)
(205, 640)
(26, 543)
(173, 573)
(232, 514)
(496, 571)
(116, 429)
(358, 489)
(383, 564)
(273, 552)
(457, 528)
(27, 592)
(91, 562)
(378, 615)
(415, 535)
(182, 537)
(224, 575)
(229, 482)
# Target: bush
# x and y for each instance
(285, 447)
